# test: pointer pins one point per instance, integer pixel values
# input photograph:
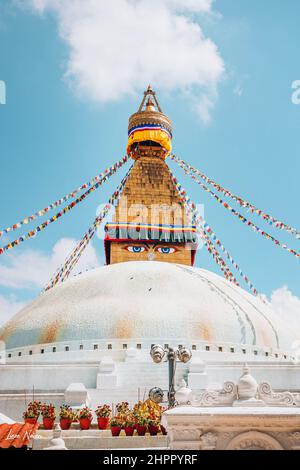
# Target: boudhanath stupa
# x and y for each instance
(96, 328)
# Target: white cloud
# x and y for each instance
(287, 307)
(118, 47)
(204, 107)
(197, 6)
(33, 269)
(8, 307)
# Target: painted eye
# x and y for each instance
(136, 249)
(166, 250)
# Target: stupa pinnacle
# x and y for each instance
(149, 127)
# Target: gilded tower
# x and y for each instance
(150, 222)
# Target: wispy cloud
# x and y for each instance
(117, 47)
(8, 307)
(287, 306)
(32, 269)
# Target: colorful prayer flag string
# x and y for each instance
(216, 256)
(64, 271)
(242, 202)
(198, 220)
(110, 170)
(59, 214)
(240, 216)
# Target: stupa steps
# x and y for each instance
(134, 382)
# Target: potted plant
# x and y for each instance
(85, 418)
(129, 424)
(153, 426)
(48, 413)
(31, 415)
(66, 416)
(141, 423)
(103, 414)
(116, 424)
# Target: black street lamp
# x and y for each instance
(159, 354)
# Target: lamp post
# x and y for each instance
(160, 354)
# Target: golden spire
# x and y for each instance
(150, 221)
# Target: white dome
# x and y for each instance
(146, 300)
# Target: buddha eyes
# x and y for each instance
(165, 250)
(136, 249)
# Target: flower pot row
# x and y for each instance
(144, 417)
(67, 415)
(85, 423)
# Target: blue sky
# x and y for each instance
(56, 132)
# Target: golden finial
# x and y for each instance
(149, 93)
(150, 105)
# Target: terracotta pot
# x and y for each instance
(48, 423)
(141, 430)
(84, 423)
(31, 420)
(65, 423)
(103, 423)
(163, 430)
(129, 430)
(115, 430)
(153, 430)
